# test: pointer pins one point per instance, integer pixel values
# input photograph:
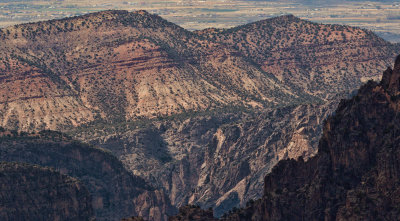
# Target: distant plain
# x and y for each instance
(383, 17)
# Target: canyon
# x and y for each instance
(174, 117)
(354, 175)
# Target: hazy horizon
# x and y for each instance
(381, 17)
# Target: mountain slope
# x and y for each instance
(34, 193)
(354, 176)
(216, 160)
(121, 66)
(317, 58)
(115, 192)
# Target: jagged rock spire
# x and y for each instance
(391, 78)
(397, 63)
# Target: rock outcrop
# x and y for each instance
(30, 192)
(217, 161)
(115, 192)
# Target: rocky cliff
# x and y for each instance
(31, 192)
(354, 176)
(214, 161)
(115, 192)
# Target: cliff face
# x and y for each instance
(34, 193)
(214, 161)
(354, 176)
(115, 192)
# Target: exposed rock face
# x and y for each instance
(153, 205)
(356, 173)
(116, 193)
(35, 193)
(216, 161)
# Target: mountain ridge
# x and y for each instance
(149, 67)
(310, 56)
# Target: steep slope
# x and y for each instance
(216, 160)
(115, 192)
(317, 58)
(119, 66)
(354, 176)
(34, 193)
